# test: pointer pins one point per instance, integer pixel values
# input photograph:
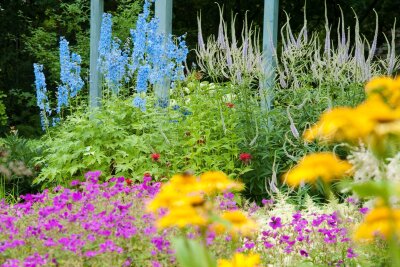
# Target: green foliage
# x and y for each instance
(3, 115)
(17, 167)
(188, 250)
(202, 134)
(124, 17)
(71, 20)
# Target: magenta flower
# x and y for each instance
(127, 263)
(249, 245)
(267, 202)
(364, 210)
(11, 263)
(350, 253)
(93, 177)
(268, 244)
(275, 223)
(91, 253)
(35, 260)
(303, 253)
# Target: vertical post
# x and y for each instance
(270, 37)
(96, 13)
(163, 11)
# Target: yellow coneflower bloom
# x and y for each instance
(379, 222)
(236, 223)
(386, 87)
(182, 217)
(340, 124)
(241, 260)
(213, 182)
(322, 165)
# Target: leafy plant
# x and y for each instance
(197, 132)
(17, 168)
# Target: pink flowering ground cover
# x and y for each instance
(92, 224)
(97, 223)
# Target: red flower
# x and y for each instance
(230, 105)
(128, 181)
(155, 156)
(245, 157)
(147, 174)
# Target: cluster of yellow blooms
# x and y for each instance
(381, 221)
(375, 118)
(188, 200)
(323, 165)
(373, 122)
(241, 260)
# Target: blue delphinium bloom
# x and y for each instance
(162, 57)
(56, 121)
(62, 98)
(175, 107)
(71, 83)
(41, 95)
(186, 112)
(162, 102)
(105, 36)
(75, 82)
(112, 59)
(153, 60)
(142, 77)
(65, 63)
(139, 103)
(116, 64)
(70, 75)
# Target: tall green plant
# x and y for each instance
(197, 132)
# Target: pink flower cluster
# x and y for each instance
(90, 220)
(306, 237)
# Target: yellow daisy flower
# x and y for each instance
(379, 222)
(213, 182)
(322, 165)
(237, 223)
(340, 124)
(241, 260)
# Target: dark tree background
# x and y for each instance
(20, 19)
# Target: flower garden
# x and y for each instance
(204, 166)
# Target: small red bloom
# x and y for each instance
(128, 181)
(147, 174)
(230, 105)
(155, 156)
(245, 157)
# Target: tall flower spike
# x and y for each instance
(70, 71)
(65, 64)
(155, 56)
(112, 59)
(65, 69)
(41, 95)
(76, 83)
(105, 37)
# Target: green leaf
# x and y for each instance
(372, 189)
(191, 253)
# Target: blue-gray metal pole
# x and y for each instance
(270, 37)
(96, 13)
(163, 11)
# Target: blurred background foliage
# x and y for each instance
(30, 29)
